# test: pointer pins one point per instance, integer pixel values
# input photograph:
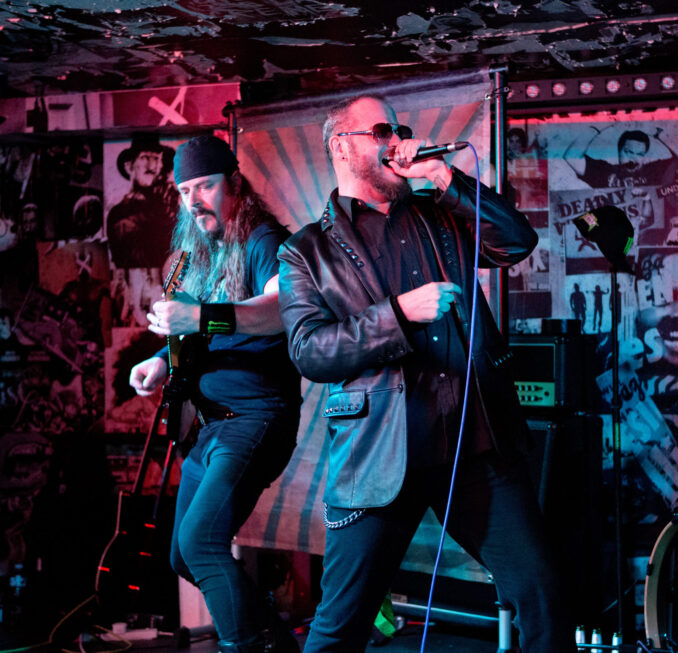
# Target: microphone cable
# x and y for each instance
(474, 302)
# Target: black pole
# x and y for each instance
(498, 74)
(233, 126)
(616, 446)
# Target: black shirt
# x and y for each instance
(599, 173)
(435, 371)
(244, 372)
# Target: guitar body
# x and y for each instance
(134, 574)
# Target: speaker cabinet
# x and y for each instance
(566, 470)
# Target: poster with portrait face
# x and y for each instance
(140, 201)
(625, 160)
(612, 152)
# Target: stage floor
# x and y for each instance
(440, 638)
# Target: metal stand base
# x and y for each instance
(448, 615)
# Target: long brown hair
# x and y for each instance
(217, 271)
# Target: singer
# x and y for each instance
(376, 298)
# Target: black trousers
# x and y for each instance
(222, 478)
(494, 516)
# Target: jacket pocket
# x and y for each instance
(345, 404)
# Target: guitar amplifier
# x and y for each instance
(553, 372)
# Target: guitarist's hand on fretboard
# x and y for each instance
(181, 316)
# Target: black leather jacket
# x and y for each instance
(342, 330)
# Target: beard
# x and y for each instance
(372, 171)
(216, 234)
(217, 268)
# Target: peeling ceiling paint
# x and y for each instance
(87, 45)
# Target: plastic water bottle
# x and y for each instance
(580, 636)
(616, 640)
(596, 638)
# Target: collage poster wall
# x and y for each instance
(84, 235)
(560, 169)
(75, 217)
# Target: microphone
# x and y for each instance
(423, 153)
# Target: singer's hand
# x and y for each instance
(428, 303)
(177, 317)
(435, 170)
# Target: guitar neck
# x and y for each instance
(173, 343)
(170, 287)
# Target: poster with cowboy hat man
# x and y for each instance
(140, 200)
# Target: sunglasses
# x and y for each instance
(382, 132)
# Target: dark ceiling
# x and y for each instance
(288, 47)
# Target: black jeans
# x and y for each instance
(221, 480)
(494, 516)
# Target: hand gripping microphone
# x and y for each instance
(423, 153)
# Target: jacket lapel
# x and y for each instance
(337, 227)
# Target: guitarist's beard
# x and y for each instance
(226, 274)
(217, 271)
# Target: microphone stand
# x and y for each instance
(616, 445)
(613, 230)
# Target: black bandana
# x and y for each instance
(202, 156)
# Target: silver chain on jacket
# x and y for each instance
(341, 523)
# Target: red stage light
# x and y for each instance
(586, 88)
(559, 89)
(639, 84)
(612, 85)
(668, 82)
(532, 91)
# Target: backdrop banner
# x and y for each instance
(281, 151)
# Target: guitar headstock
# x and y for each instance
(176, 274)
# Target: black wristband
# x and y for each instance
(217, 318)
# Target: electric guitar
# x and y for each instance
(185, 354)
(175, 278)
(134, 575)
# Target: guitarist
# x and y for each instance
(244, 386)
